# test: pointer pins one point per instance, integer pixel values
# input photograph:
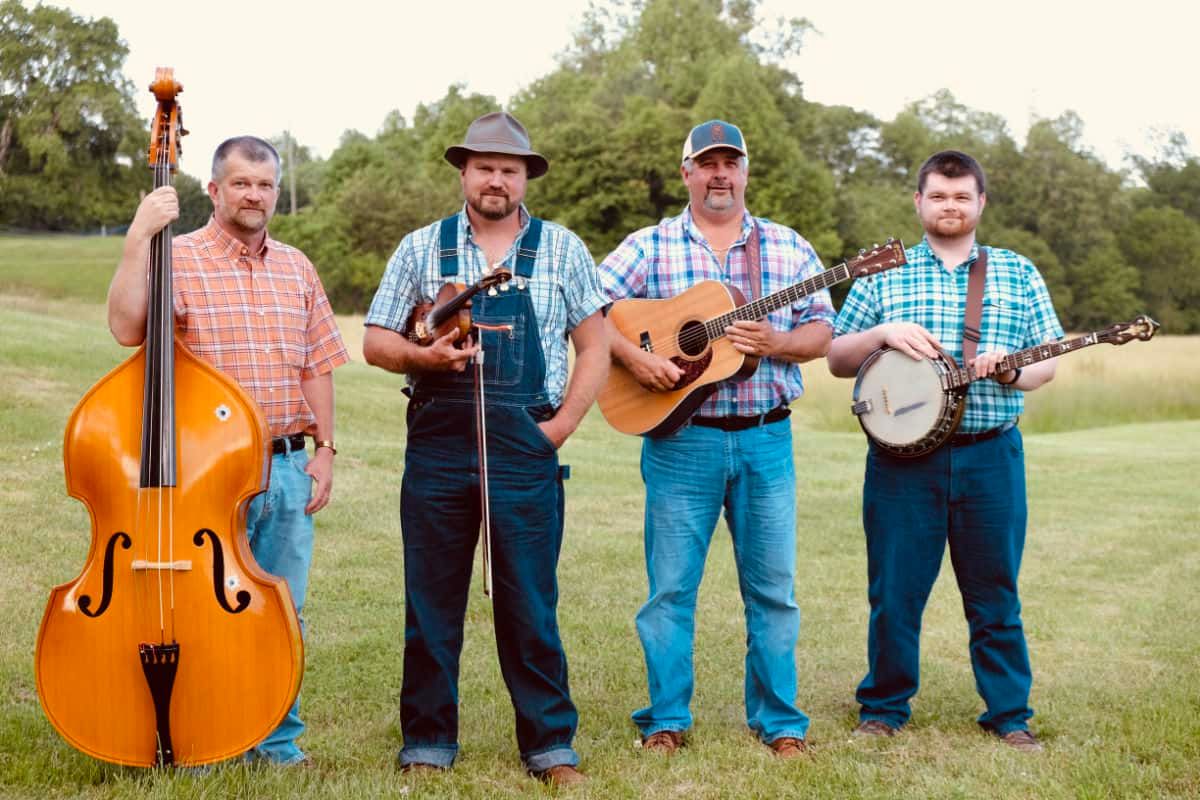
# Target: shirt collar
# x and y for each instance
(227, 245)
(693, 230)
(927, 251)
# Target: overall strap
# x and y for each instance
(754, 260)
(527, 249)
(448, 247)
(971, 329)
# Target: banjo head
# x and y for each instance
(904, 398)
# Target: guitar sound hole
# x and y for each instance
(692, 339)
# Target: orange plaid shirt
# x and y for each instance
(261, 318)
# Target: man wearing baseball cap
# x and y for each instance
(512, 369)
(734, 454)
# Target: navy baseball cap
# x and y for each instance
(712, 134)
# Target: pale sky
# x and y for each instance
(263, 66)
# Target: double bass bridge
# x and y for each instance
(141, 564)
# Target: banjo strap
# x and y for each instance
(971, 330)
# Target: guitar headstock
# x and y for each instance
(1140, 327)
(879, 258)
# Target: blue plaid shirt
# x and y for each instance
(664, 260)
(1017, 313)
(564, 287)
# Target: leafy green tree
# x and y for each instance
(1164, 245)
(195, 206)
(1173, 177)
(68, 129)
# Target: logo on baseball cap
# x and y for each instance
(712, 134)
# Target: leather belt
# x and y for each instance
(735, 423)
(286, 444)
(961, 439)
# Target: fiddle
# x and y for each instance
(451, 310)
(172, 646)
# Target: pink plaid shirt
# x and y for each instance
(261, 318)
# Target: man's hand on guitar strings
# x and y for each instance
(753, 338)
(654, 372)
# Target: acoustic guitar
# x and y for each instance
(689, 329)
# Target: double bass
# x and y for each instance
(172, 646)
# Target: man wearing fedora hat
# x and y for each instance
(518, 356)
(734, 455)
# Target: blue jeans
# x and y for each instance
(690, 477)
(281, 538)
(972, 497)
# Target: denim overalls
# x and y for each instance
(440, 519)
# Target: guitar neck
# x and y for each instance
(961, 376)
(758, 309)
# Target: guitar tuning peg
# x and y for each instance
(504, 286)
(875, 246)
(492, 292)
(862, 251)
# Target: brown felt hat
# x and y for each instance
(498, 132)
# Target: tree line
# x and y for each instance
(611, 118)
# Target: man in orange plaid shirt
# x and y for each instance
(255, 309)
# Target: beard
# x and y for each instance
(492, 206)
(951, 227)
(720, 202)
(250, 220)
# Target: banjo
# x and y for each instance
(910, 407)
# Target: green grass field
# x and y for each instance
(1108, 584)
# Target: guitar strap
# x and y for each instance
(971, 323)
(754, 261)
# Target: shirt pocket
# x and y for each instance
(1004, 320)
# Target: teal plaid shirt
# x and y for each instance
(1017, 313)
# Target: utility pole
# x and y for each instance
(291, 170)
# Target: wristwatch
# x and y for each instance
(1016, 377)
(329, 442)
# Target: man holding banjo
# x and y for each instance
(969, 491)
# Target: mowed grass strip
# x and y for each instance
(1110, 561)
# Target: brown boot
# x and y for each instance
(665, 742)
(561, 775)
(788, 747)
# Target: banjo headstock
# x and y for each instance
(879, 258)
(1140, 327)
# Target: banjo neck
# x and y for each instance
(1141, 327)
